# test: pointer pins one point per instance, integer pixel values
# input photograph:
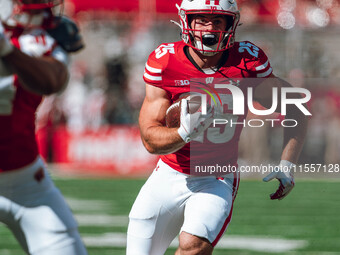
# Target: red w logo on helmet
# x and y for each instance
(212, 2)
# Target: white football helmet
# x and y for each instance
(209, 44)
(30, 13)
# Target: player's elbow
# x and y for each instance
(151, 149)
(146, 138)
(56, 85)
(58, 80)
(52, 87)
(53, 80)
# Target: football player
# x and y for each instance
(176, 200)
(34, 45)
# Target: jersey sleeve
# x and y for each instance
(155, 67)
(257, 62)
(262, 67)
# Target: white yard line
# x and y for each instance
(253, 243)
(261, 244)
(228, 242)
(6, 252)
(102, 220)
(89, 205)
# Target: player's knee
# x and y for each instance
(193, 245)
(190, 249)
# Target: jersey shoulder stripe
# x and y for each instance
(152, 69)
(265, 74)
(148, 77)
(157, 63)
(262, 67)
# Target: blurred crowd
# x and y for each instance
(300, 38)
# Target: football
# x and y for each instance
(173, 113)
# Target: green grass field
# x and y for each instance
(310, 214)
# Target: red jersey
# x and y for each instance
(169, 68)
(18, 146)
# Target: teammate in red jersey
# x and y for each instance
(33, 63)
(174, 199)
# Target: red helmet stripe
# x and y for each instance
(215, 2)
(37, 6)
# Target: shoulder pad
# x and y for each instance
(67, 35)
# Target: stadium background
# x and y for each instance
(89, 135)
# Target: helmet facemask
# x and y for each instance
(208, 42)
(34, 13)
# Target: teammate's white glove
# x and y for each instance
(36, 45)
(5, 46)
(284, 174)
(192, 125)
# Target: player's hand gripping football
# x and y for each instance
(284, 174)
(192, 125)
(5, 46)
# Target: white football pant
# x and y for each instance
(171, 202)
(37, 214)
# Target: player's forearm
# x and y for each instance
(41, 75)
(294, 136)
(162, 140)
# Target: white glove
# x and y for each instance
(36, 44)
(285, 176)
(192, 125)
(5, 46)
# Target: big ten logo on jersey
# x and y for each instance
(250, 48)
(164, 49)
(182, 82)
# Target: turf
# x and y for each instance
(310, 212)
